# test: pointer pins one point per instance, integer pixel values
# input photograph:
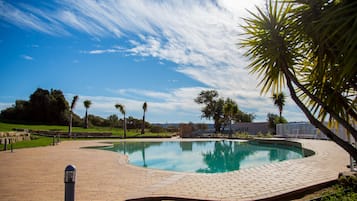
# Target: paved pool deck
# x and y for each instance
(37, 174)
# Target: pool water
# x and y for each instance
(204, 156)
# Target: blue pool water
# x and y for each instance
(204, 156)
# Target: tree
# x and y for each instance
(121, 109)
(273, 120)
(73, 104)
(40, 105)
(243, 117)
(145, 107)
(279, 101)
(230, 110)
(309, 46)
(113, 120)
(44, 107)
(58, 107)
(87, 104)
(213, 108)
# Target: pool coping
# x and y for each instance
(272, 141)
(37, 174)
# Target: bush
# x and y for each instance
(348, 182)
(345, 190)
(157, 129)
(242, 135)
(264, 135)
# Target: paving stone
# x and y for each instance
(37, 174)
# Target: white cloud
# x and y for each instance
(26, 57)
(3, 106)
(27, 17)
(199, 36)
(103, 51)
(175, 106)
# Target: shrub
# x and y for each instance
(157, 129)
(264, 135)
(345, 190)
(243, 135)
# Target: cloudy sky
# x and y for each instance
(131, 51)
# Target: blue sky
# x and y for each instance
(128, 52)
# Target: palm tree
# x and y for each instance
(279, 101)
(145, 107)
(230, 109)
(121, 109)
(73, 104)
(283, 51)
(87, 104)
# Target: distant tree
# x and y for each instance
(243, 117)
(273, 120)
(59, 107)
(113, 119)
(73, 104)
(121, 109)
(97, 121)
(230, 110)
(17, 113)
(132, 123)
(87, 104)
(145, 107)
(45, 107)
(213, 107)
(40, 106)
(279, 101)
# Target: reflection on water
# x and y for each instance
(203, 156)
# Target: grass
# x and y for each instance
(115, 131)
(37, 141)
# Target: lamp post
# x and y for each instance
(69, 181)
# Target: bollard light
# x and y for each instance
(70, 174)
(69, 180)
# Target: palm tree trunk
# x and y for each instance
(345, 145)
(86, 120)
(143, 125)
(70, 125)
(343, 122)
(124, 127)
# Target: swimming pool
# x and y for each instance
(204, 156)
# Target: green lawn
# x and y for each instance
(45, 141)
(114, 131)
(36, 141)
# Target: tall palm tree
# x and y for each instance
(230, 109)
(282, 52)
(73, 104)
(121, 109)
(87, 104)
(279, 101)
(145, 107)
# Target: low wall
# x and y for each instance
(74, 134)
(14, 136)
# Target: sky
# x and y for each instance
(129, 52)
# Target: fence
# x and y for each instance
(307, 130)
